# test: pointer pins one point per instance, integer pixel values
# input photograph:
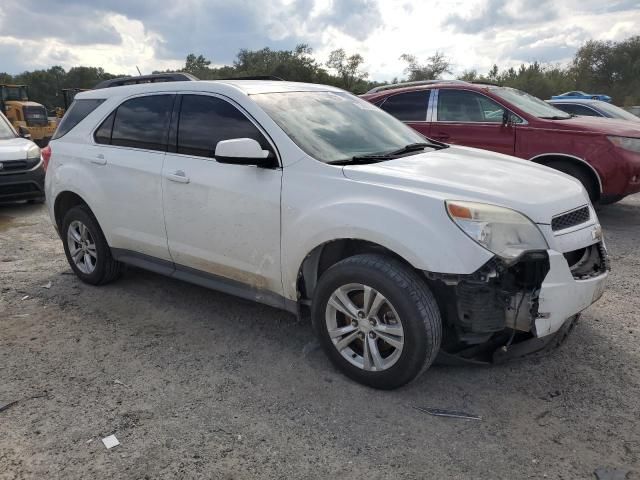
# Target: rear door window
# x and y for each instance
(141, 122)
(204, 121)
(77, 112)
(408, 107)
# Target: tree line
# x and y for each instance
(608, 67)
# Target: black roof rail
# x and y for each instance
(154, 78)
(255, 77)
(482, 82)
(411, 84)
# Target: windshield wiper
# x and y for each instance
(414, 147)
(380, 157)
(360, 160)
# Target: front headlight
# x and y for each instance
(33, 153)
(500, 230)
(626, 143)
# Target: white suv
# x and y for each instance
(304, 197)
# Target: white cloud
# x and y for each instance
(474, 34)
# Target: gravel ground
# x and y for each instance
(198, 384)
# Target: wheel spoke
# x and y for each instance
(395, 330)
(91, 250)
(346, 341)
(341, 302)
(75, 235)
(375, 353)
(87, 260)
(77, 255)
(341, 331)
(376, 302)
(83, 231)
(391, 340)
(366, 355)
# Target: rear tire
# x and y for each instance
(580, 174)
(388, 342)
(86, 248)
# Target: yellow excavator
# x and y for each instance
(28, 118)
(68, 94)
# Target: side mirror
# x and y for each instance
(24, 132)
(243, 151)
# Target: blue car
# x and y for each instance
(592, 108)
(578, 94)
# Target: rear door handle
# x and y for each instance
(178, 176)
(99, 159)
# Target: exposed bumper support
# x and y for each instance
(536, 346)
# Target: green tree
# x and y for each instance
(348, 67)
(436, 66)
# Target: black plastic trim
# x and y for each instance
(204, 279)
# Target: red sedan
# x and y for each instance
(604, 154)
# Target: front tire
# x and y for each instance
(377, 320)
(86, 248)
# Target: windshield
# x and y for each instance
(331, 126)
(6, 132)
(528, 103)
(617, 112)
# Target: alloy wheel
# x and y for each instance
(82, 247)
(364, 327)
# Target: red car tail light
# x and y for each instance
(46, 156)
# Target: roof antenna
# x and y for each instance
(139, 72)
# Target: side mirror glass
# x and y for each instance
(24, 132)
(243, 151)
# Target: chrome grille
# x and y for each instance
(570, 219)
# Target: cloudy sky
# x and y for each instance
(157, 34)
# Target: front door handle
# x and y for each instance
(178, 176)
(99, 159)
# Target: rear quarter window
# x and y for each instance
(77, 112)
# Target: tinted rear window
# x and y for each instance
(408, 107)
(78, 110)
(143, 122)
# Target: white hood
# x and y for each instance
(14, 149)
(471, 174)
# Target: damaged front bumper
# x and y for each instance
(505, 310)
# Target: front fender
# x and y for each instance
(413, 226)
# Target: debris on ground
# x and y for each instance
(118, 382)
(11, 404)
(25, 297)
(608, 473)
(8, 405)
(110, 441)
(441, 412)
(47, 285)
